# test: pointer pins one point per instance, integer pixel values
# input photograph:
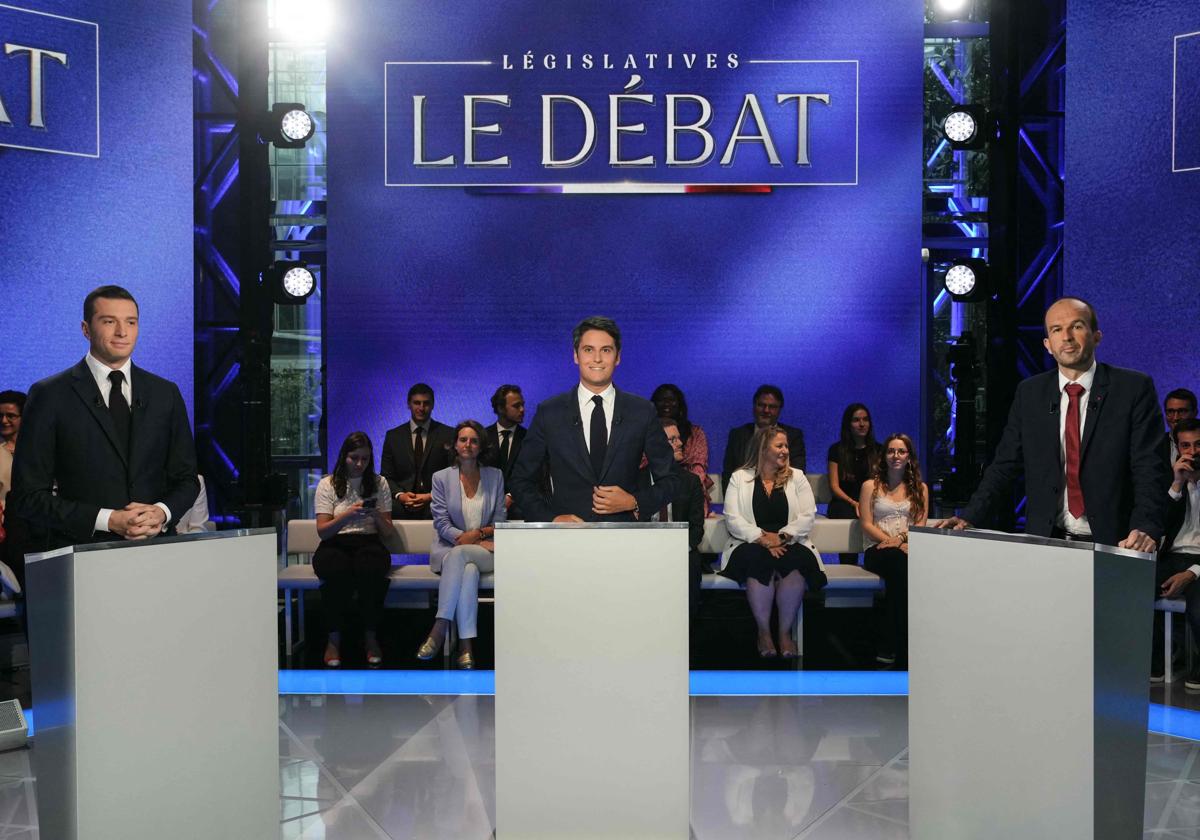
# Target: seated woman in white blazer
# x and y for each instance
(468, 500)
(770, 510)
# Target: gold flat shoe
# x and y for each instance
(428, 649)
(466, 661)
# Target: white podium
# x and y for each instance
(1029, 662)
(592, 723)
(155, 688)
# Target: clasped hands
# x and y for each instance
(413, 501)
(774, 543)
(137, 521)
(482, 537)
(606, 500)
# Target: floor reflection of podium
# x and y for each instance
(592, 727)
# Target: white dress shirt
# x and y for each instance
(1066, 521)
(100, 372)
(1187, 541)
(586, 407)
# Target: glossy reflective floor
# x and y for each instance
(357, 767)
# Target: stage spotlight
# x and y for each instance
(964, 127)
(952, 9)
(288, 126)
(966, 279)
(290, 282)
(300, 21)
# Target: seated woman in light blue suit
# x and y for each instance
(468, 499)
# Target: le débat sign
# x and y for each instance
(623, 118)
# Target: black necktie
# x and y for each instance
(505, 434)
(599, 436)
(118, 407)
(419, 453)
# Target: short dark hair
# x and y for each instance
(106, 292)
(1192, 424)
(1093, 320)
(597, 322)
(1177, 394)
(773, 390)
(501, 396)
(669, 421)
(16, 398)
(419, 388)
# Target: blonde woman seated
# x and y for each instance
(769, 510)
(467, 501)
(893, 500)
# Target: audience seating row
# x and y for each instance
(849, 585)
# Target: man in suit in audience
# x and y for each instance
(1179, 404)
(687, 506)
(106, 450)
(412, 453)
(1088, 437)
(1178, 564)
(768, 403)
(591, 441)
(506, 435)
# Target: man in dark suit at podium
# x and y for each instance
(106, 450)
(591, 440)
(1089, 439)
(412, 453)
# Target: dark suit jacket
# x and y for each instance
(403, 473)
(1123, 461)
(687, 506)
(556, 440)
(68, 439)
(739, 442)
(514, 449)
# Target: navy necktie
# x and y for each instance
(118, 407)
(599, 435)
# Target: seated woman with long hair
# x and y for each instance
(769, 510)
(467, 502)
(354, 510)
(851, 461)
(893, 500)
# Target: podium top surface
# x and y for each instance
(1031, 539)
(200, 536)
(588, 526)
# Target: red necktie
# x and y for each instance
(1071, 444)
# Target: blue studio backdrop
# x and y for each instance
(96, 167)
(1133, 180)
(738, 185)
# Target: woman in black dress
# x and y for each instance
(769, 510)
(852, 460)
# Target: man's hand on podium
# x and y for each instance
(137, 521)
(1139, 541)
(953, 523)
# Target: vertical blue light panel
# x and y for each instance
(122, 214)
(1132, 223)
(817, 288)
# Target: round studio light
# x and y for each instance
(960, 127)
(960, 280)
(298, 282)
(296, 126)
(951, 6)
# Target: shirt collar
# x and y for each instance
(100, 371)
(413, 425)
(585, 396)
(502, 428)
(1085, 380)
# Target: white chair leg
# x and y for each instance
(300, 634)
(1168, 675)
(287, 625)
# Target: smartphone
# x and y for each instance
(370, 503)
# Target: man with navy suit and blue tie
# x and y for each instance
(592, 439)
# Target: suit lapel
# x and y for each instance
(616, 435)
(137, 411)
(581, 447)
(1053, 397)
(1096, 401)
(85, 387)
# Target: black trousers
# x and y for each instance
(353, 569)
(1170, 564)
(891, 564)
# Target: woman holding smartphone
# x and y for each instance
(467, 502)
(353, 507)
